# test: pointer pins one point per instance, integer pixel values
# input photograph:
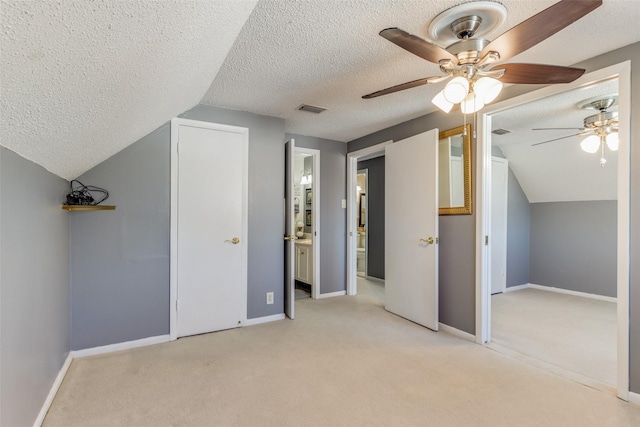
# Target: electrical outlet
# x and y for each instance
(269, 297)
(344, 203)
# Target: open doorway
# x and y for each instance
(306, 202)
(563, 305)
(365, 245)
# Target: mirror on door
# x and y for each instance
(303, 217)
(361, 212)
(454, 170)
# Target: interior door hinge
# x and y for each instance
(486, 240)
(437, 240)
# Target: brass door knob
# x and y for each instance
(290, 238)
(235, 241)
(428, 240)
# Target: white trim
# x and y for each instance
(456, 332)
(352, 228)
(516, 288)
(315, 214)
(173, 275)
(332, 294)
(265, 319)
(483, 200)
(54, 390)
(127, 345)
(634, 398)
(574, 293)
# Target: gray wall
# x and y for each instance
(375, 225)
(120, 259)
(518, 233)
(457, 232)
(333, 217)
(573, 246)
(34, 286)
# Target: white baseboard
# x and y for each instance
(54, 390)
(120, 346)
(574, 293)
(332, 294)
(634, 398)
(516, 288)
(265, 319)
(456, 332)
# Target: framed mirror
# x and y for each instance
(454, 174)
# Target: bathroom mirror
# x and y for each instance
(454, 174)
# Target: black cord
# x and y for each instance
(83, 194)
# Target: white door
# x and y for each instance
(411, 228)
(498, 235)
(211, 227)
(289, 232)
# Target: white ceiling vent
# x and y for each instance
(311, 108)
(500, 131)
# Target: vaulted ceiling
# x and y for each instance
(83, 80)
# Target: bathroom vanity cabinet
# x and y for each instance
(304, 261)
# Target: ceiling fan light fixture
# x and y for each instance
(612, 141)
(487, 88)
(590, 144)
(456, 90)
(471, 104)
(441, 102)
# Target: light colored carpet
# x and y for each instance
(344, 361)
(573, 333)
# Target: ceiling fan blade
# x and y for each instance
(539, 27)
(407, 85)
(538, 73)
(562, 137)
(416, 45)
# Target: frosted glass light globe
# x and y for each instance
(440, 101)
(590, 144)
(471, 104)
(456, 90)
(612, 141)
(487, 89)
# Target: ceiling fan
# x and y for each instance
(466, 62)
(599, 129)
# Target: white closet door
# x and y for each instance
(211, 243)
(498, 236)
(411, 228)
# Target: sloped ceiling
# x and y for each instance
(81, 80)
(558, 170)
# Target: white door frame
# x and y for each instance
(173, 274)
(315, 216)
(483, 173)
(352, 226)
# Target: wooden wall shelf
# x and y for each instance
(88, 208)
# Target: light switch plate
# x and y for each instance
(344, 203)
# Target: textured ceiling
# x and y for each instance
(81, 80)
(328, 53)
(558, 170)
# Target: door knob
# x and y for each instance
(290, 237)
(235, 241)
(428, 240)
